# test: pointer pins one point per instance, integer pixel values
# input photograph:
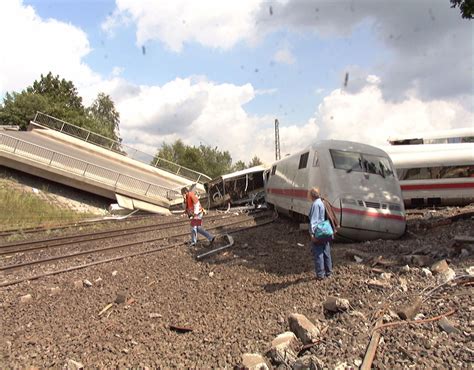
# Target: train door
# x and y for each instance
(306, 177)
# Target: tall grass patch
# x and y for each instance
(20, 209)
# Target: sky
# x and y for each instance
(219, 73)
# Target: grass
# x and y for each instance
(20, 210)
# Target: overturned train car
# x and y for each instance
(357, 179)
(237, 188)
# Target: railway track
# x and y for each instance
(61, 241)
(31, 230)
(146, 246)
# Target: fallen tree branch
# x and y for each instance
(371, 348)
(378, 327)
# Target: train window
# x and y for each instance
(377, 165)
(274, 169)
(303, 160)
(315, 160)
(349, 161)
(432, 173)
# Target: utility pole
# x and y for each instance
(277, 141)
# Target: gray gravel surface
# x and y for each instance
(238, 300)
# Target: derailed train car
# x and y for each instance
(237, 188)
(357, 179)
(435, 174)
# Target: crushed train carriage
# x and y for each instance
(237, 188)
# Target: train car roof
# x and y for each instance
(237, 174)
(393, 149)
(244, 172)
(339, 145)
(440, 134)
(433, 159)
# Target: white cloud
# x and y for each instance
(284, 56)
(367, 117)
(195, 110)
(33, 46)
(213, 23)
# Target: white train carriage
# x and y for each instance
(435, 174)
(357, 179)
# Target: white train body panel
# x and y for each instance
(435, 174)
(369, 205)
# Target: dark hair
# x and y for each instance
(184, 190)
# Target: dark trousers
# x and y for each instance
(322, 259)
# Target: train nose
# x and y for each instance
(376, 218)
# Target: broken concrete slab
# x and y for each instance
(439, 267)
(26, 298)
(284, 349)
(87, 283)
(447, 276)
(254, 361)
(74, 365)
(304, 329)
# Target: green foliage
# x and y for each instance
(205, 159)
(239, 166)
(103, 112)
(20, 108)
(59, 98)
(59, 91)
(466, 7)
(255, 162)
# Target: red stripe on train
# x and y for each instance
(371, 214)
(303, 193)
(461, 185)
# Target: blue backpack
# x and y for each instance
(323, 230)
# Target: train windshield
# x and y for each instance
(358, 162)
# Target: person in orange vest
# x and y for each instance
(195, 213)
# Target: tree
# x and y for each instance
(59, 98)
(239, 166)
(205, 159)
(255, 162)
(58, 91)
(103, 112)
(466, 7)
(20, 108)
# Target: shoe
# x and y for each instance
(211, 242)
(191, 244)
(318, 278)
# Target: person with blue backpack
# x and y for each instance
(322, 234)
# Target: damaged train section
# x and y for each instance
(244, 187)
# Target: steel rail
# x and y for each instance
(99, 235)
(73, 268)
(29, 230)
(92, 251)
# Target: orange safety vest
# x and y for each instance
(191, 201)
